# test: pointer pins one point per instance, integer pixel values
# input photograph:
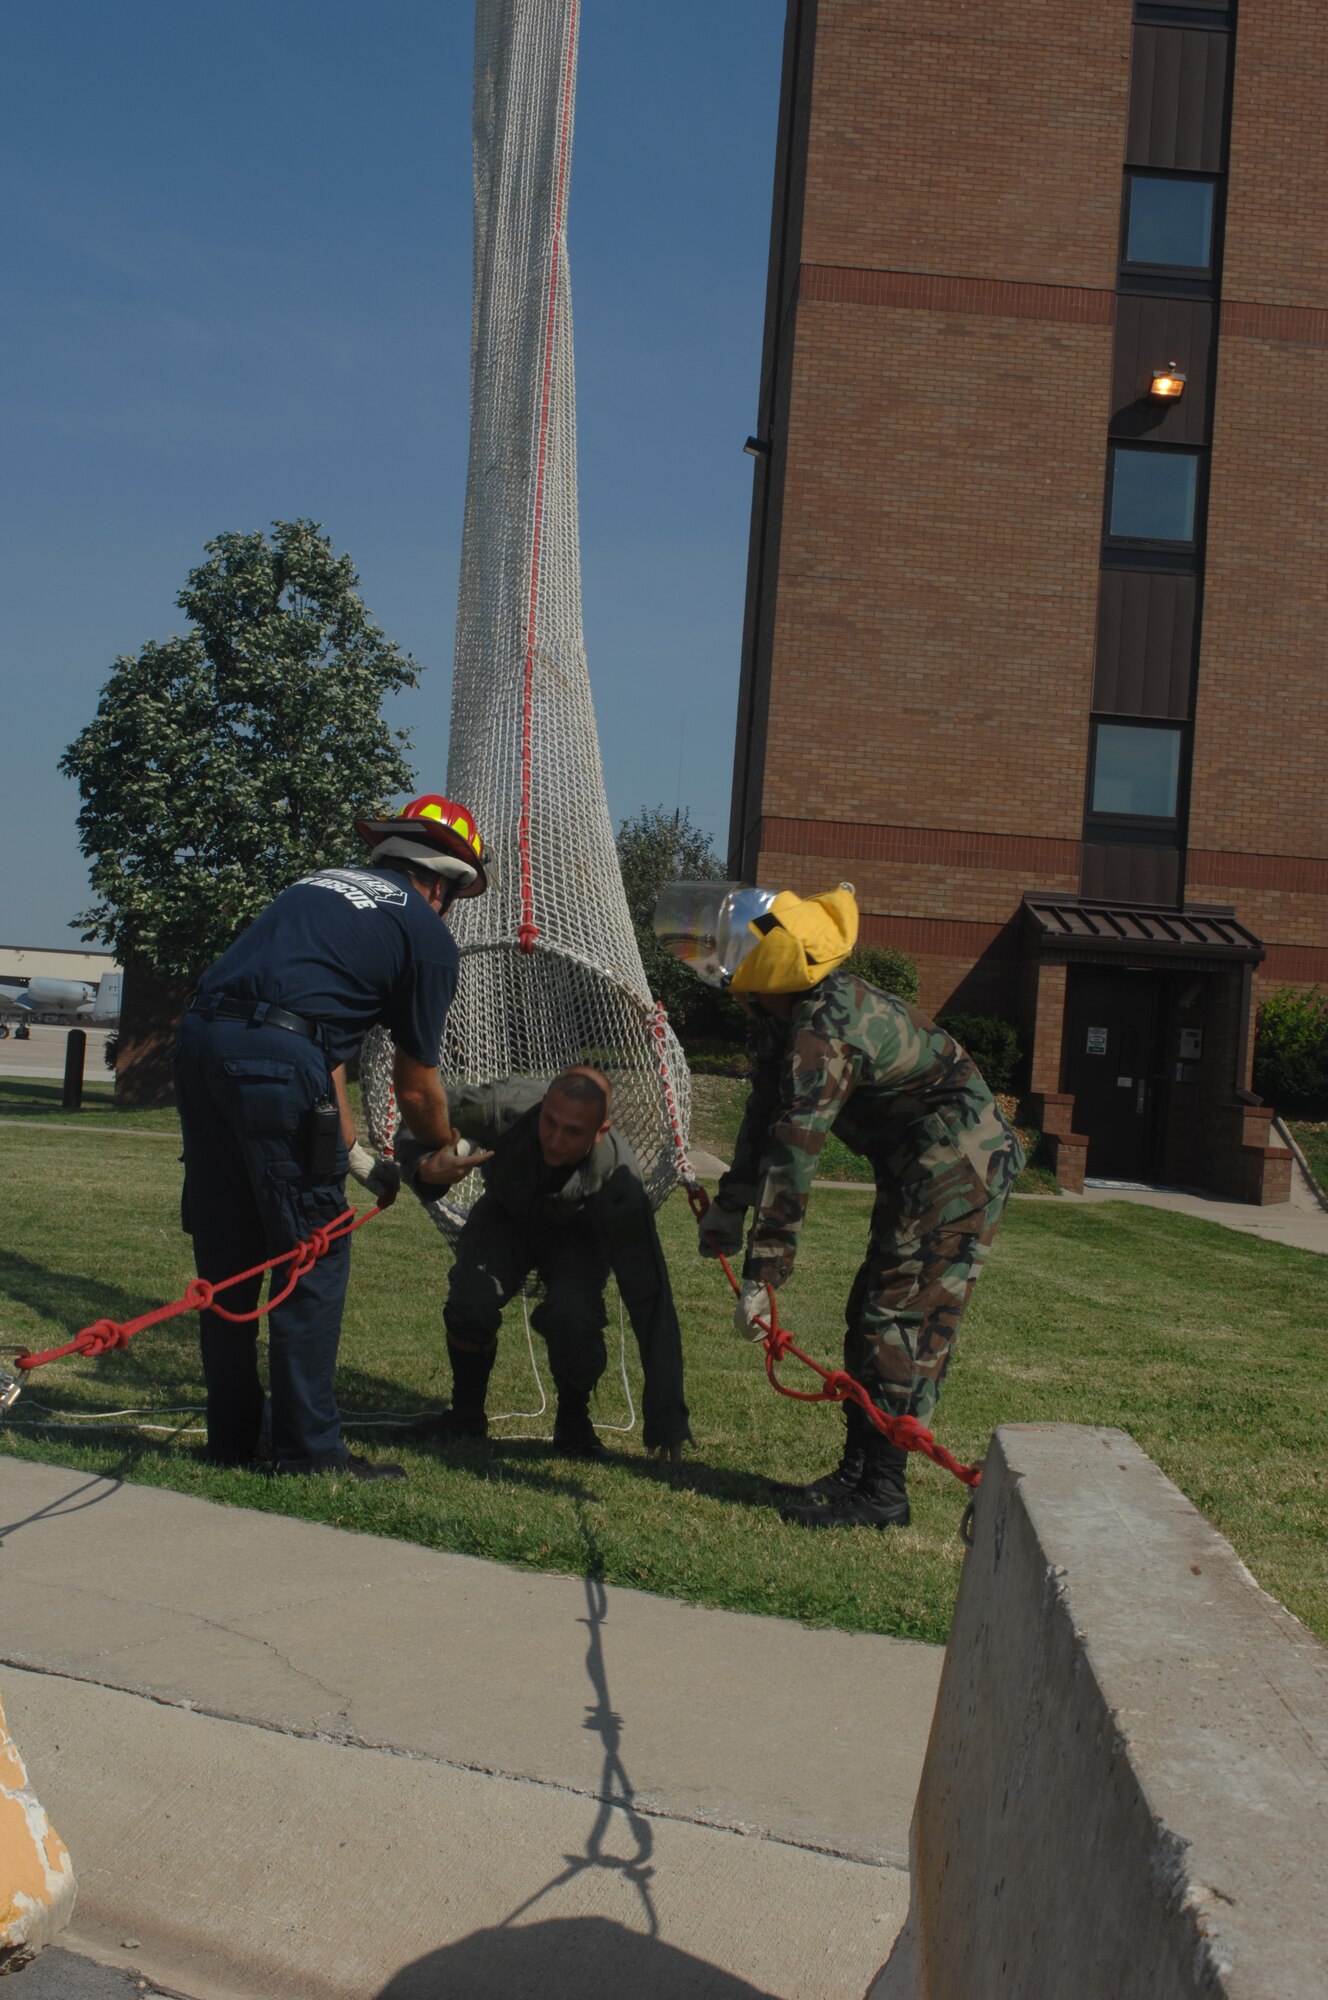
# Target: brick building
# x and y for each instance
(1034, 653)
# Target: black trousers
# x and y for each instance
(244, 1094)
(496, 1252)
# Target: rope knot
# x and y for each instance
(104, 1333)
(198, 1295)
(526, 935)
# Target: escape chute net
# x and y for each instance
(550, 970)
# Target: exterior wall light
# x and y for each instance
(757, 447)
(1168, 384)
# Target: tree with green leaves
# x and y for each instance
(654, 848)
(223, 765)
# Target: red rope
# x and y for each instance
(527, 930)
(658, 1028)
(200, 1295)
(836, 1386)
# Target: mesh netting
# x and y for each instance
(550, 973)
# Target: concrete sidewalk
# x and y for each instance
(294, 1761)
(1301, 1223)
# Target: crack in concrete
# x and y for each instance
(348, 1740)
(201, 1619)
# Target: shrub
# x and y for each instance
(992, 1043)
(882, 965)
(1291, 1049)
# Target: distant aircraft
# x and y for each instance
(72, 999)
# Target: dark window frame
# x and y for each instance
(1189, 280)
(1218, 14)
(1141, 829)
(1164, 545)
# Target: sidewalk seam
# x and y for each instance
(349, 1741)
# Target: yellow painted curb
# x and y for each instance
(36, 1874)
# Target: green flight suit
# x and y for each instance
(572, 1228)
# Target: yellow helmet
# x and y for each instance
(800, 940)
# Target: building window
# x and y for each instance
(1136, 771)
(1153, 495)
(1169, 223)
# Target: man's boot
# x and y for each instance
(574, 1436)
(880, 1499)
(471, 1369)
(844, 1479)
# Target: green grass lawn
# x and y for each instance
(1311, 1135)
(1209, 1347)
(27, 1098)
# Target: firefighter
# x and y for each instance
(268, 1133)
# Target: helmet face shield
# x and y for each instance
(707, 925)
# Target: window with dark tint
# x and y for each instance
(1170, 223)
(1153, 494)
(1135, 771)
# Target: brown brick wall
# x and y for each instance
(1277, 206)
(1258, 827)
(938, 574)
(937, 385)
(970, 138)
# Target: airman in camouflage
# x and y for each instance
(899, 1091)
(837, 1055)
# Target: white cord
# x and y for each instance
(509, 1416)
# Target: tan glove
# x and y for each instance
(381, 1177)
(721, 1230)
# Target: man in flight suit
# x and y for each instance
(564, 1197)
(268, 1133)
(836, 1054)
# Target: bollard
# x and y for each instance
(76, 1048)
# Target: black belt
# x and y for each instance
(260, 1012)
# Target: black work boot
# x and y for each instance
(574, 1436)
(880, 1499)
(844, 1479)
(471, 1369)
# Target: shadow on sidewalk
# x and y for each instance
(591, 1958)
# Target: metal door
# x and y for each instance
(1111, 1065)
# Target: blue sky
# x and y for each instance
(238, 289)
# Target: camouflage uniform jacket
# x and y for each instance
(606, 1191)
(890, 1084)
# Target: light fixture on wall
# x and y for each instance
(1168, 384)
(757, 447)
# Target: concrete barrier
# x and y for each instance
(36, 1874)
(1125, 1793)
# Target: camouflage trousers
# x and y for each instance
(926, 1251)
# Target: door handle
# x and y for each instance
(1140, 1096)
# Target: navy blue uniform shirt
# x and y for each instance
(348, 947)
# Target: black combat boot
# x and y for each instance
(879, 1500)
(471, 1369)
(844, 1479)
(574, 1436)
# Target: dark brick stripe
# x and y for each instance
(858, 840)
(1306, 324)
(1256, 871)
(1297, 964)
(995, 298)
(945, 939)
